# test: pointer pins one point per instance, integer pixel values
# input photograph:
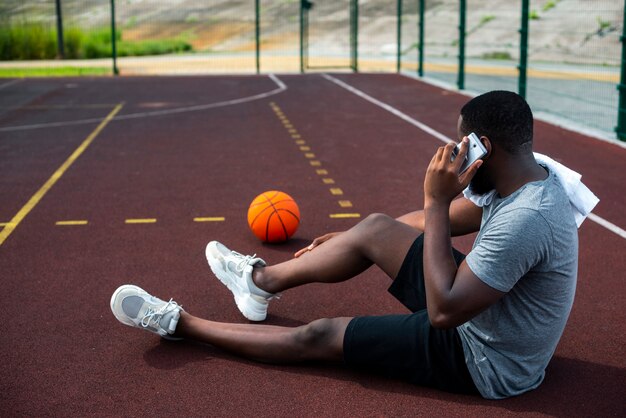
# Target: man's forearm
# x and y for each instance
(439, 265)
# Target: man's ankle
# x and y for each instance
(261, 280)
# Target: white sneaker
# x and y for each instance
(235, 271)
(135, 307)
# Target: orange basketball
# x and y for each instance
(273, 216)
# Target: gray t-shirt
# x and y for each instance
(527, 247)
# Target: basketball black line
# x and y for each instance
(265, 197)
(259, 214)
(276, 193)
(293, 214)
(267, 226)
(276, 212)
(275, 203)
(282, 224)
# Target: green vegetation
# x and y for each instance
(602, 24)
(36, 41)
(26, 42)
(497, 55)
(534, 15)
(53, 72)
(483, 21)
(549, 5)
(486, 19)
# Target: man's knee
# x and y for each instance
(376, 222)
(322, 339)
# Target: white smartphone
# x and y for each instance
(475, 151)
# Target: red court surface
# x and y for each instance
(176, 167)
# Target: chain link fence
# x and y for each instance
(565, 56)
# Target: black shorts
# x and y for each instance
(407, 346)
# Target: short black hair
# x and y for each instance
(502, 116)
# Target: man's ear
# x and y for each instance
(487, 143)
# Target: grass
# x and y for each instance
(37, 41)
(486, 19)
(549, 5)
(54, 72)
(497, 55)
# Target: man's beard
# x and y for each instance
(480, 184)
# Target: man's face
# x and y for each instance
(480, 183)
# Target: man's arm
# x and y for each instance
(465, 218)
(454, 295)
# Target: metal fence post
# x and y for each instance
(354, 35)
(621, 109)
(302, 23)
(60, 45)
(461, 75)
(399, 36)
(420, 66)
(523, 50)
(257, 35)
(116, 71)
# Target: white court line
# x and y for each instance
(390, 109)
(595, 218)
(608, 225)
(10, 83)
(281, 88)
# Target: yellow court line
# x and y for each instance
(140, 221)
(210, 219)
(344, 215)
(71, 223)
(513, 72)
(19, 217)
(336, 191)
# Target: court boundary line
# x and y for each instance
(443, 138)
(281, 88)
(608, 225)
(10, 83)
(36, 198)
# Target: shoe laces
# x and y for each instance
(154, 315)
(241, 265)
(245, 260)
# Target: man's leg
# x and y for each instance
(320, 340)
(378, 239)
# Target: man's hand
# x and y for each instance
(442, 182)
(317, 241)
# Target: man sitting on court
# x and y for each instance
(487, 323)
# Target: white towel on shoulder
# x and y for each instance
(581, 198)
